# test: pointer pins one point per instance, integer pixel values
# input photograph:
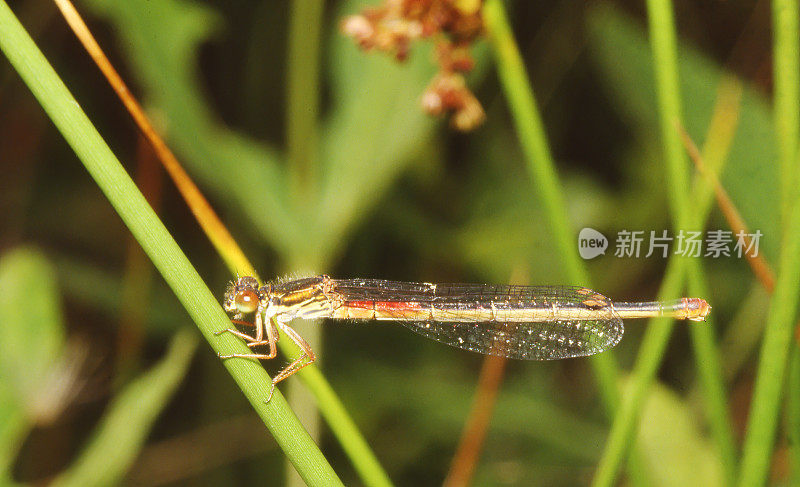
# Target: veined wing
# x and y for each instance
(522, 322)
(549, 340)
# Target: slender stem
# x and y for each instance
(707, 355)
(138, 275)
(530, 131)
(302, 93)
(786, 62)
(532, 137)
(215, 230)
(650, 353)
(473, 435)
(712, 380)
(765, 407)
(302, 111)
(352, 441)
(665, 65)
(664, 46)
(159, 245)
(792, 416)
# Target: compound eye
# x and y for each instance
(246, 301)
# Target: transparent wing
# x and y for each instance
(527, 341)
(521, 322)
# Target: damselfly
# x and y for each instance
(520, 322)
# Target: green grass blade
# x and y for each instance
(702, 82)
(530, 130)
(765, 408)
(159, 245)
(793, 417)
(124, 428)
(302, 163)
(711, 377)
(665, 57)
(650, 352)
(750, 171)
(532, 137)
(665, 64)
(664, 45)
(786, 54)
(302, 94)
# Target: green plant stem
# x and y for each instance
(665, 64)
(786, 62)
(712, 380)
(793, 419)
(302, 94)
(530, 130)
(786, 67)
(649, 358)
(302, 145)
(532, 137)
(339, 421)
(159, 245)
(707, 355)
(765, 407)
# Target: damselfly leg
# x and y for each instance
(307, 356)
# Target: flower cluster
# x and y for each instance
(452, 24)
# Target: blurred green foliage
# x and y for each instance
(39, 376)
(397, 195)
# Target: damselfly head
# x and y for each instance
(242, 296)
